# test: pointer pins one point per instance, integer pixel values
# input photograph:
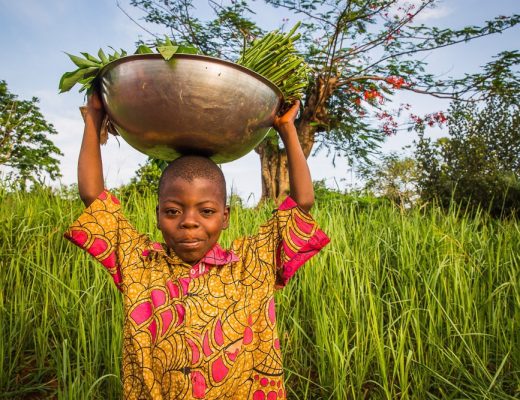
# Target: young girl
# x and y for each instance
(199, 320)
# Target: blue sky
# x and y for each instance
(34, 35)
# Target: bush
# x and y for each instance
(478, 165)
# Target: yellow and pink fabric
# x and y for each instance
(206, 331)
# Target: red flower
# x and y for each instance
(372, 95)
(416, 119)
(437, 118)
(440, 117)
(395, 81)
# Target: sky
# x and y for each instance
(35, 34)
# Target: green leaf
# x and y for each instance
(143, 49)
(87, 79)
(187, 49)
(167, 51)
(168, 42)
(69, 79)
(82, 62)
(271, 134)
(102, 56)
(90, 58)
(114, 56)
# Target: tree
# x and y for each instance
(361, 52)
(25, 148)
(394, 177)
(147, 177)
(478, 164)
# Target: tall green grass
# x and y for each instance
(400, 305)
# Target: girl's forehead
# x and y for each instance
(198, 187)
(180, 183)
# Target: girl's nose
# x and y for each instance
(189, 221)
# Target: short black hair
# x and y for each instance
(190, 167)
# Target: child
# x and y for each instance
(199, 320)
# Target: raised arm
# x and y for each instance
(90, 167)
(300, 180)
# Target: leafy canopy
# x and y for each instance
(478, 164)
(25, 148)
(361, 52)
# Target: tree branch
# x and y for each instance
(134, 21)
(416, 50)
(299, 11)
(383, 37)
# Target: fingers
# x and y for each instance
(288, 117)
(93, 97)
(94, 101)
(293, 111)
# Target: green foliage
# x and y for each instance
(326, 195)
(147, 177)
(394, 178)
(362, 52)
(90, 67)
(478, 165)
(221, 37)
(422, 305)
(25, 149)
(274, 57)
(498, 78)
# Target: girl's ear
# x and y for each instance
(157, 217)
(225, 223)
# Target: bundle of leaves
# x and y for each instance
(273, 56)
(89, 66)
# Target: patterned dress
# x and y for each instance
(206, 331)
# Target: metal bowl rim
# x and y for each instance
(231, 64)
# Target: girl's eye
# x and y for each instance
(208, 211)
(172, 211)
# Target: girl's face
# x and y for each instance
(191, 215)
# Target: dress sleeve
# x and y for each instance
(104, 232)
(289, 239)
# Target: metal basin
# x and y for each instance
(189, 105)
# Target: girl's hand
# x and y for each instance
(286, 121)
(299, 176)
(95, 106)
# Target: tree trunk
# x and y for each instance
(273, 159)
(275, 176)
(273, 162)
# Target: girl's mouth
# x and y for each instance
(189, 243)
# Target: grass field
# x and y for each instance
(400, 305)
